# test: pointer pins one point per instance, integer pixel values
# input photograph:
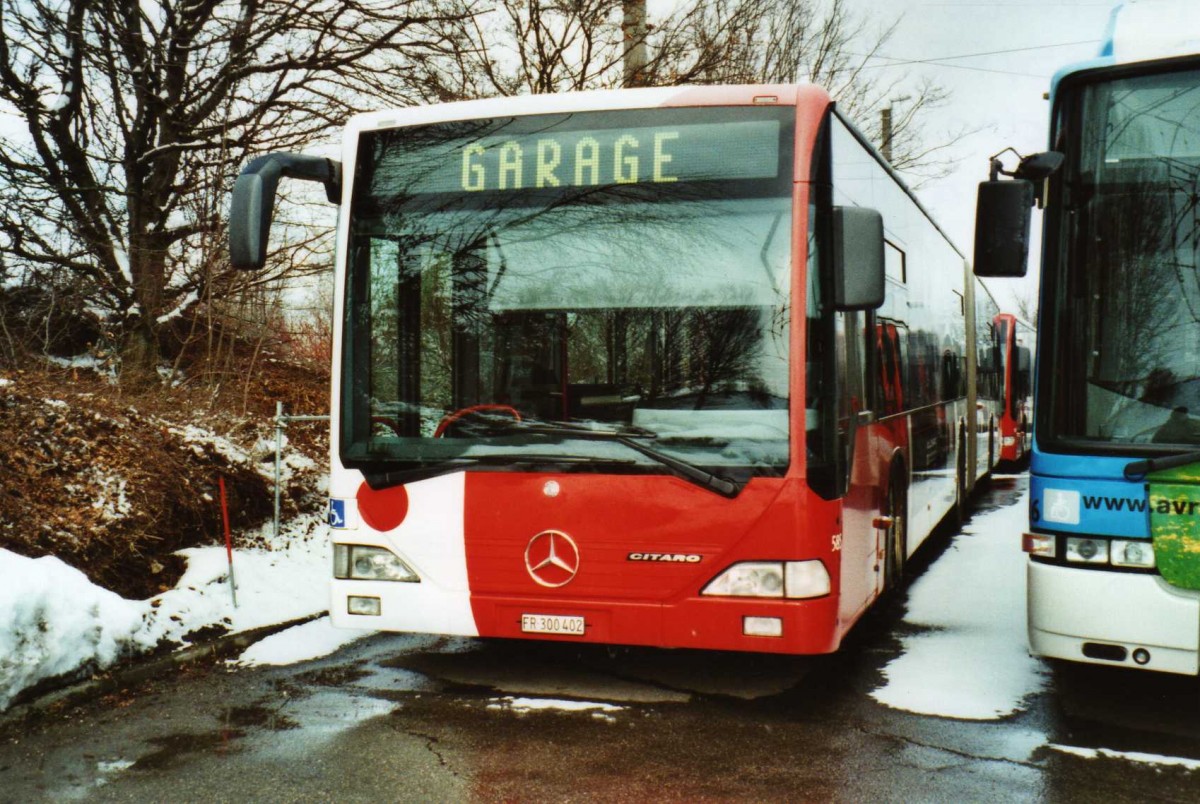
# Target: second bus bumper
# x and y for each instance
(1107, 617)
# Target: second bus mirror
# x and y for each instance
(858, 266)
(1002, 218)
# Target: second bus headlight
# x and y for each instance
(1087, 551)
(1138, 553)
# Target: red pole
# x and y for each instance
(228, 539)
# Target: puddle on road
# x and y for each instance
(1126, 710)
(262, 717)
(336, 676)
(627, 675)
(174, 748)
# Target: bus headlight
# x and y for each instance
(806, 579)
(1087, 551)
(361, 563)
(1132, 554)
(793, 579)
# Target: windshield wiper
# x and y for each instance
(1137, 470)
(624, 435)
(379, 480)
(389, 478)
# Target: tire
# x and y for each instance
(895, 549)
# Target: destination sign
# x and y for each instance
(720, 151)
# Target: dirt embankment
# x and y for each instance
(114, 484)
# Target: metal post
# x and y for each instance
(633, 27)
(281, 422)
(885, 126)
(278, 459)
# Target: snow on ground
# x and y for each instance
(1129, 756)
(54, 622)
(521, 706)
(969, 660)
(300, 643)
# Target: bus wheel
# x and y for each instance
(897, 534)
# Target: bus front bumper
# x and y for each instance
(1113, 618)
(801, 626)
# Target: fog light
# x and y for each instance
(1141, 656)
(1132, 554)
(369, 606)
(762, 626)
(1087, 551)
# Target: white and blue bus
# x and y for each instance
(1114, 541)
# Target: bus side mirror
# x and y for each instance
(1002, 220)
(858, 266)
(253, 202)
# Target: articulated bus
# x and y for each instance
(574, 398)
(1114, 544)
(1017, 339)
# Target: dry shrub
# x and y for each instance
(114, 484)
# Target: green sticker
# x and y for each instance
(1175, 526)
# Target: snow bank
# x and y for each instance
(284, 580)
(54, 622)
(970, 660)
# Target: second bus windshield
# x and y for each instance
(1125, 304)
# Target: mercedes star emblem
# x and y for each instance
(552, 558)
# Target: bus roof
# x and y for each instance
(593, 101)
(1142, 30)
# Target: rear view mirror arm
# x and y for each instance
(253, 203)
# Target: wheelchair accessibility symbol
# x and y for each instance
(337, 514)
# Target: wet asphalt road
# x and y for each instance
(398, 718)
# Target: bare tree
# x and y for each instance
(1027, 306)
(136, 114)
(567, 45)
(564, 45)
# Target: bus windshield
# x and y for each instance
(624, 269)
(1124, 368)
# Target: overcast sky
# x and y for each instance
(997, 59)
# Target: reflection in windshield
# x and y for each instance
(649, 302)
(1133, 288)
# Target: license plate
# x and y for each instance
(551, 624)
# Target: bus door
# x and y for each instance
(861, 570)
(892, 398)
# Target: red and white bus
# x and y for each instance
(1017, 340)
(574, 397)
